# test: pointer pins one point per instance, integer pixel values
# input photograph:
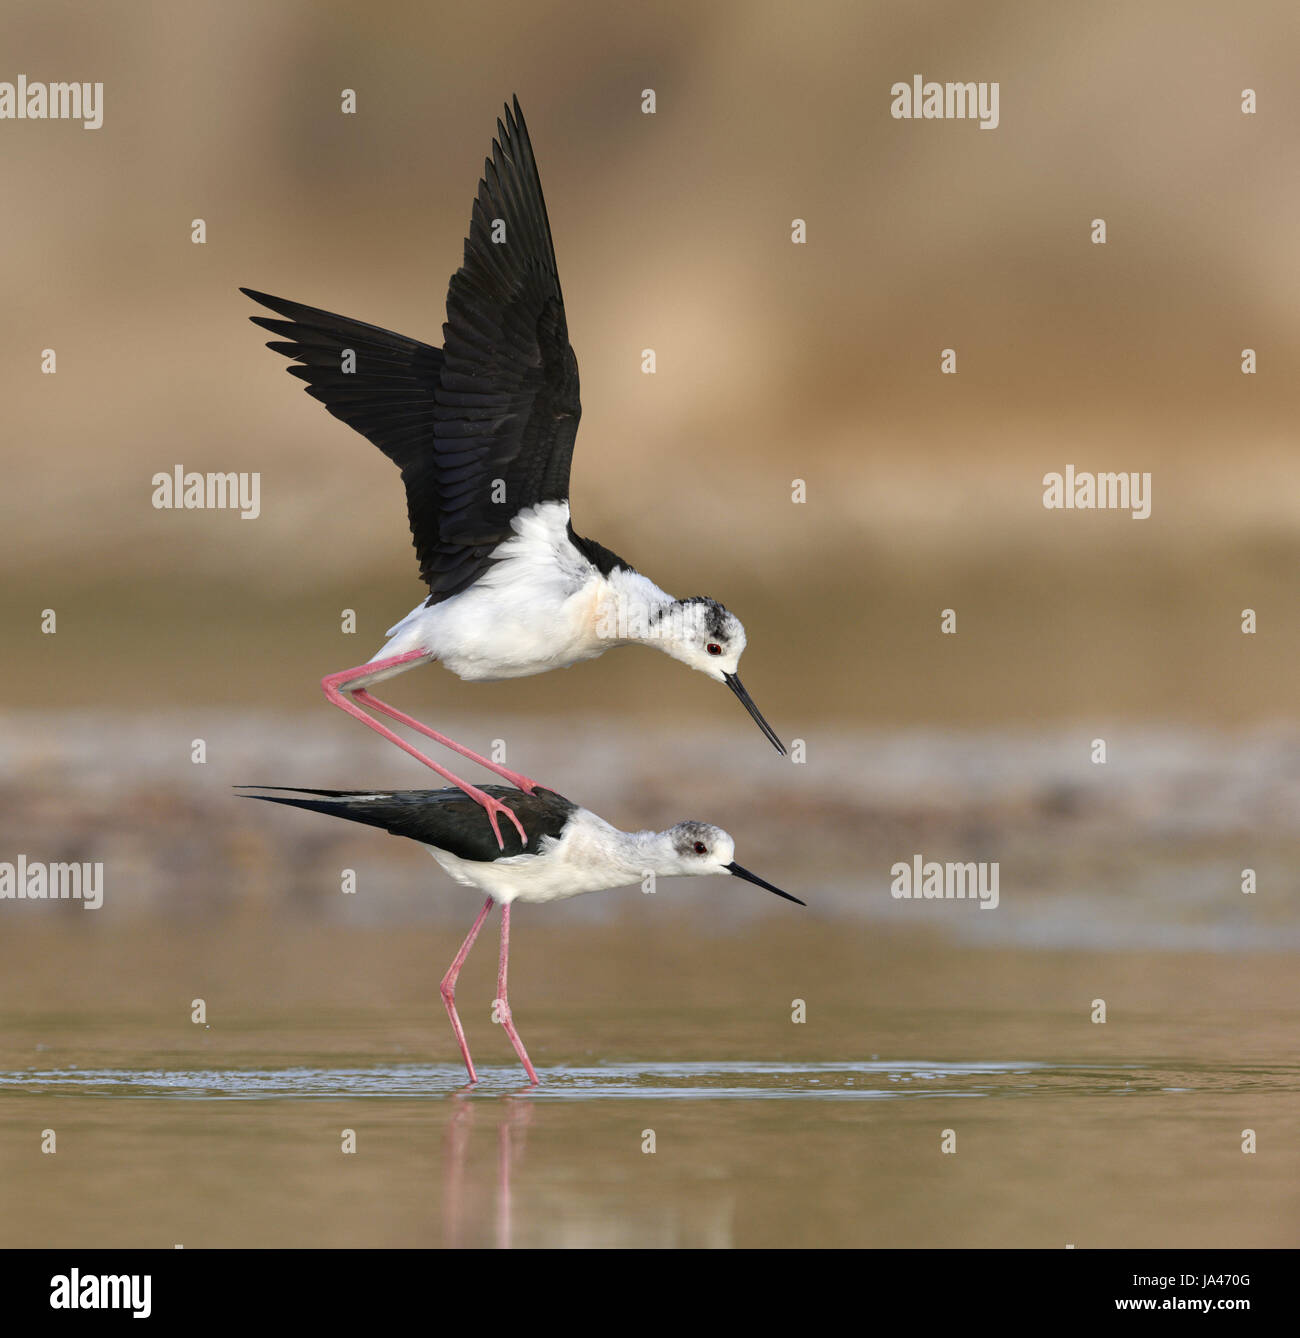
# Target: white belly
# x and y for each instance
(590, 857)
(482, 635)
(534, 609)
(524, 877)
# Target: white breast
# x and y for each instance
(533, 609)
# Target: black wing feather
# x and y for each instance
(500, 400)
(448, 819)
(388, 397)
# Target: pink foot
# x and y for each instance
(493, 807)
(340, 695)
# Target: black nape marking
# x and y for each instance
(715, 615)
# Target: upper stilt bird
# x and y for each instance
(573, 851)
(483, 431)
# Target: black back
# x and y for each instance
(498, 401)
(598, 555)
(448, 819)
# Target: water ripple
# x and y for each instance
(847, 1081)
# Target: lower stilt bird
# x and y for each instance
(572, 851)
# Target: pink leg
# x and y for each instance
(515, 779)
(335, 690)
(448, 986)
(503, 1004)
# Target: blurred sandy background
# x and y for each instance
(775, 361)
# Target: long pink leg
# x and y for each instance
(334, 686)
(515, 779)
(448, 987)
(503, 1004)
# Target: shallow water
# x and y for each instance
(866, 1080)
(234, 1134)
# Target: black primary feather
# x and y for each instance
(388, 396)
(484, 426)
(448, 819)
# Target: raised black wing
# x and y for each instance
(508, 404)
(380, 383)
(485, 426)
(448, 819)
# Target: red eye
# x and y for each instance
(713, 648)
(701, 848)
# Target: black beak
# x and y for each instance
(754, 878)
(734, 683)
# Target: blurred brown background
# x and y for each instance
(775, 361)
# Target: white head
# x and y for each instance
(697, 848)
(702, 634)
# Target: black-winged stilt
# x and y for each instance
(574, 851)
(483, 431)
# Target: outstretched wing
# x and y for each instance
(380, 383)
(484, 427)
(508, 404)
(448, 819)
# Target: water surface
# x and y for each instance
(234, 1135)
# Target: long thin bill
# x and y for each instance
(734, 683)
(754, 878)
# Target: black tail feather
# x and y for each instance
(448, 819)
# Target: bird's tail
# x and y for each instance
(420, 814)
(357, 805)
